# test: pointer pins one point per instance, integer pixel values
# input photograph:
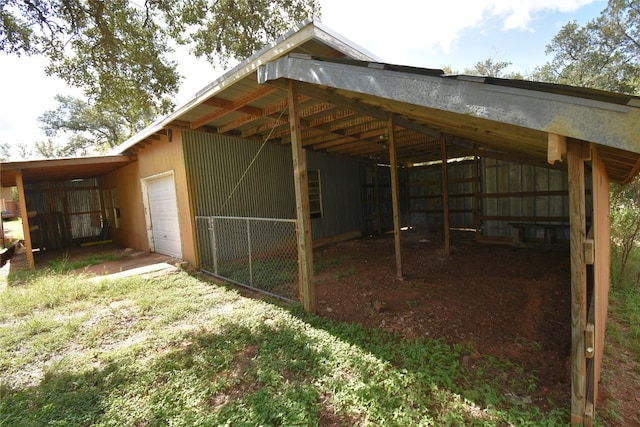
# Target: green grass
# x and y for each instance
(625, 308)
(276, 275)
(622, 335)
(179, 350)
(65, 264)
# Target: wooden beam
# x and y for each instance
(556, 148)
(240, 103)
(445, 196)
(225, 104)
(395, 195)
(376, 196)
(330, 96)
(577, 231)
(600, 232)
(300, 178)
(25, 220)
(633, 172)
(476, 194)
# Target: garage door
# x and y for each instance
(163, 213)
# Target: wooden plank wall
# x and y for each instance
(601, 268)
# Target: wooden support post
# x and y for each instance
(556, 148)
(378, 205)
(300, 178)
(25, 221)
(395, 196)
(445, 195)
(577, 226)
(476, 194)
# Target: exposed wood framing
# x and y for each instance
(25, 220)
(577, 226)
(633, 172)
(341, 101)
(556, 148)
(300, 178)
(445, 195)
(476, 195)
(395, 195)
(376, 190)
(601, 273)
(227, 107)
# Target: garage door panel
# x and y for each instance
(163, 207)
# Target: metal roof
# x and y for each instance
(345, 99)
(310, 37)
(61, 169)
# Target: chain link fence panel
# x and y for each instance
(257, 253)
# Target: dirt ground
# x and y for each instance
(510, 303)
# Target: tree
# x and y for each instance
(5, 151)
(91, 129)
(603, 54)
(118, 51)
(488, 68)
(625, 223)
(492, 68)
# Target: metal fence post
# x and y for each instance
(214, 247)
(249, 252)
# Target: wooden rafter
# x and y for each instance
(633, 172)
(227, 107)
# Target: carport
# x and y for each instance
(60, 172)
(422, 115)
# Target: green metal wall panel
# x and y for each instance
(237, 177)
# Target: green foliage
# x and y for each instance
(625, 306)
(603, 54)
(175, 350)
(91, 128)
(118, 52)
(625, 230)
(492, 68)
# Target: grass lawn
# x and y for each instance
(180, 350)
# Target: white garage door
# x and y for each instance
(163, 212)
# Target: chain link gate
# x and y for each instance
(257, 253)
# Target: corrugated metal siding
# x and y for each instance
(64, 211)
(499, 176)
(341, 207)
(215, 165)
(222, 184)
(84, 211)
(424, 191)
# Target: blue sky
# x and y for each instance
(426, 33)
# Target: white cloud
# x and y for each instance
(517, 14)
(378, 25)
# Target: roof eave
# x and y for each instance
(308, 30)
(596, 121)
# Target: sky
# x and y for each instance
(422, 33)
